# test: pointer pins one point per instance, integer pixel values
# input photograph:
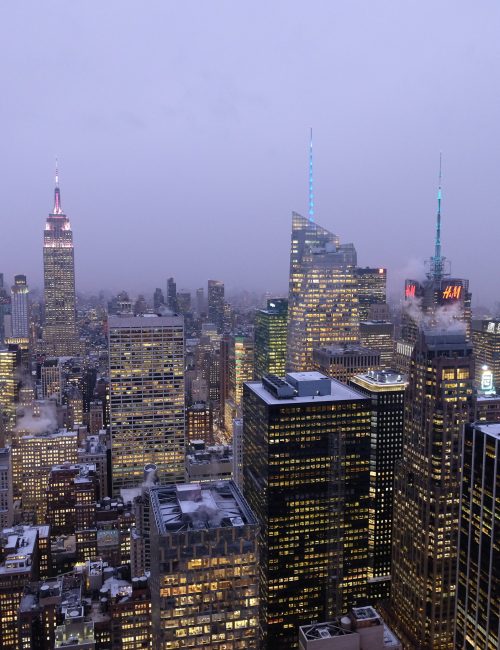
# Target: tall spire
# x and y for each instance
(57, 193)
(438, 260)
(311, 185)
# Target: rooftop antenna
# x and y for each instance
(311, 179)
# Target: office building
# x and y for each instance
(24, 554)
(33, 456)
(200, 301)
(478, 590)
(158, 299)
(172, 295)
(241, 366)
(60, 335)
(72, 493)
(385, 388)
(6, 495)
(486, 343)
(204, 567)
(5, 307)
(344, 361)
(379, 336)
(146, 360)
(10, 362)
(439, 401)
(322, 302)
(270, 336)
(362, 629)
(216, 304)
(306, 465)
(372, 289)
(200, 422)
(20, 309)
(208, 463)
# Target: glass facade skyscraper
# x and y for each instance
(306, 449)
(322, 301)
(270, 338)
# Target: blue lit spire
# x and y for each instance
(438, 260)
(311, 185)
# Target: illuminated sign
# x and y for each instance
(452, 292)
(487, 380)
(410, 290)
(381, 271)
(493, 328)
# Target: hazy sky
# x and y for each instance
(182, 135)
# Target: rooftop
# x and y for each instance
(306, 387)
(345, 350)
(491, 429)
(146, 320)
(195, 506)
(19, 546)
(381, 380)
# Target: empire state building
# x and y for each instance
(60, 337)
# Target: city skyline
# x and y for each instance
(134, 148)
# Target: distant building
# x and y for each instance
(216, 304)
(208, 463)
(20, 308)
(385, 389)
(200, 423)
(342, 362)
(204, 545)
(6, 495)
(146, 359)
(372, 289)
(362, 629)
(379, 336)
(172, 296)
(158, 299)
(306, 466)
(486, 344)
(478, 591)
(270, 336)
(10, 362)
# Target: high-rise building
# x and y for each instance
(158, 299)
(323, 303)
(486, 343)
(172, 295)
(200, 422)
(60, 334)
(20, 310)
(270, 337)
(6, 496)
(372, 289)
(5, 307)
(146, 360)
(10, 360)
(439, 401)
(200, 301)
(306, 465)
(344, 361)
(378, 335)
(216, 304)
(478, 590)
(385, 388)
(204, 567)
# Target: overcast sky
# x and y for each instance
(182, 135)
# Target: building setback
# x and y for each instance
(306, 448)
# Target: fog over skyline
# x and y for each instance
(182, 134)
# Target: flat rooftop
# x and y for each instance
(144, 321)
(491, 429)
(199, 506)
(381, 380)
(338, 392)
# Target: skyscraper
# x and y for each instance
(146, 361)
(372, 289)
(270, 338)
(486, 343)
(478, 591)
(60, 335)
(172, 295)
(386, 392)
(19, 307)
(323, 303)
(439, 401)
(216, 304)
(306, 448)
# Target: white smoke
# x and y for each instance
(448, 318)
(38, 420)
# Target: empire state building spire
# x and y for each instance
(57, 193)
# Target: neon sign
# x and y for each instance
(410, 290)
(452, 292)
(487, 380)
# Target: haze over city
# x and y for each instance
(182, 136)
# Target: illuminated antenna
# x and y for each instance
(57, 193)
(438, 262)
(311, 183)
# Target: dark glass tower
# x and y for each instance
(270, 338)
(216, 304)
(306, 447)
(478, 598)
(439, 401)
(60, 337)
